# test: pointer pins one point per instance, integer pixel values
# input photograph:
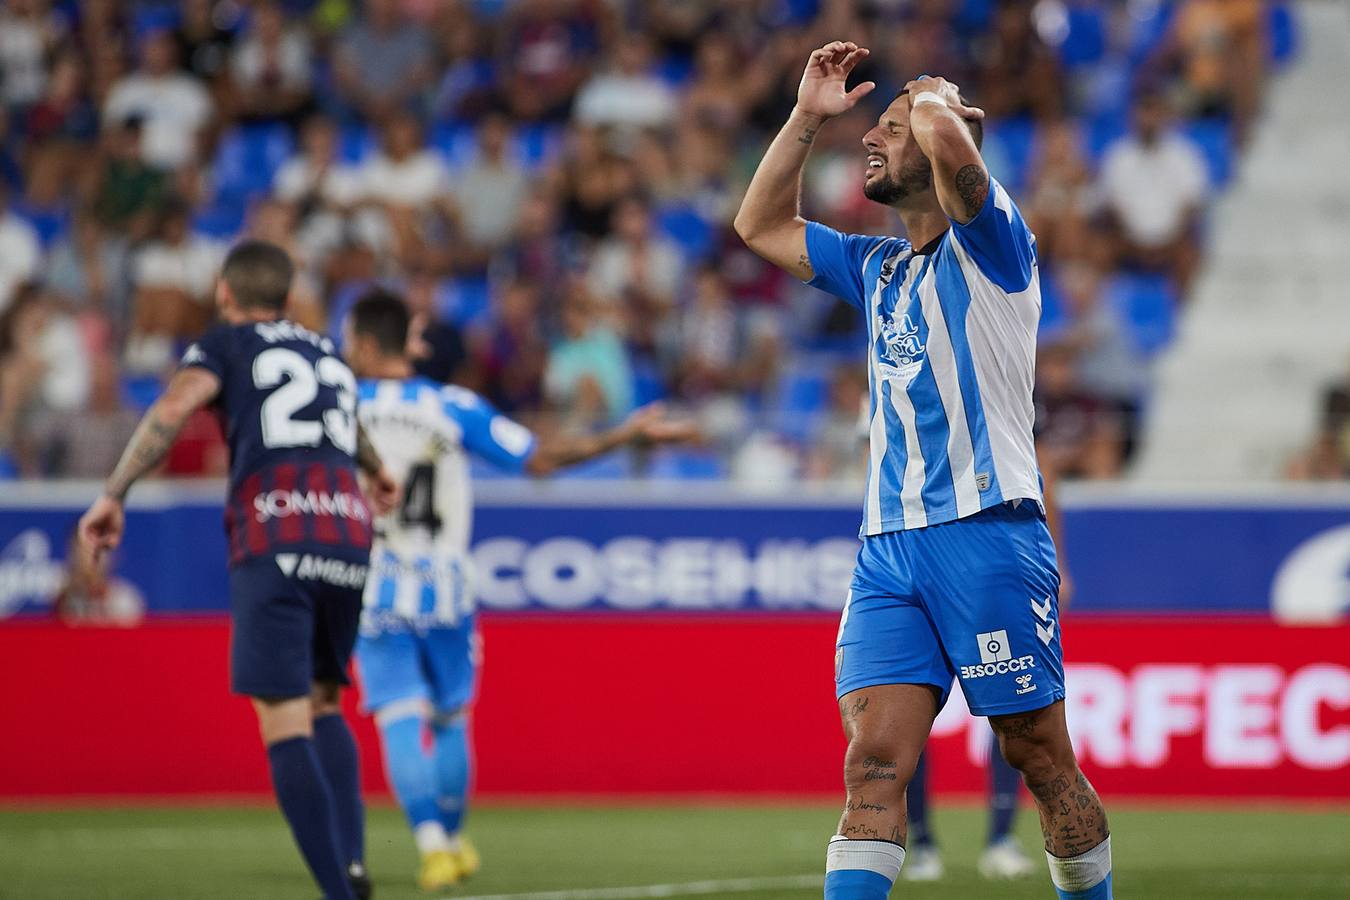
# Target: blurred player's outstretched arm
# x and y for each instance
(648, 425)
(769, 220)
(188, 391)
(936, 119)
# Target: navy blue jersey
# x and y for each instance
(288, 409)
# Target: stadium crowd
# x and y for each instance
(551, 184)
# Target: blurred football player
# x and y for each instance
(956, 579)
(418, 652)
(299, 534)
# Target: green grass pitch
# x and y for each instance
(585, 852)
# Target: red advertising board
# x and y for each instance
(680, 703)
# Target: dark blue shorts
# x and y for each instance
(294, 620)
(975, 600)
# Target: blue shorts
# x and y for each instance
(289, 631)
(976, 599)
(439, 665)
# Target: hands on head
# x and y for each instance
(948, 91)
(823, 90)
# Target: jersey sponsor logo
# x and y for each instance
(308, 567)
(1005, 667)
(279, 504)
(994, 646)
(901, 353)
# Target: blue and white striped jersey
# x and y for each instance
(951, 361)
(420, 570)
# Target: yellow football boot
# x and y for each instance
(467, 857)
(440, 869)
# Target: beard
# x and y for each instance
(889, 190)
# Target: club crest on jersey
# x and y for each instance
(900, 353)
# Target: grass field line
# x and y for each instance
(683, 889)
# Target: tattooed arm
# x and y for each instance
(959, 173)
(769, 219)
(188, 391)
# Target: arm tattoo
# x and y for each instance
(809, 135)
(972, 183)
(366, 455)
(805, 262)
(147, 448)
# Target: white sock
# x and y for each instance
(1080, 873)
(881, 857)
(430, 837)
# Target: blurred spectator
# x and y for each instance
(468, 82)
(44, 367)
(86, 441)
(509, 351)
(126, 192)
(408, 183)
(629, 95)
(1077, 434)
(382, 63)
(89, 269)
(592, 180)
(635, 273)
(92, 595)
(488, 192)
(719, 95)
(20, 251)
(173, 107)
(588, 378)
(59, 128)
(1219, 49)
(174, 276)
(704, 347)
(320, 188)
(203, 37)
(1328, 459)
(1153, 186)
(540, 254)
(435, 345)
(271, 68)
(839, 438)
(550, 46)
(1058, 199)
(29, 33)
(1018, 75)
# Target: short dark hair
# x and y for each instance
(383, 315)
(259, 275)
(975, 126)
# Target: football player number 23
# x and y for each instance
(295, 382)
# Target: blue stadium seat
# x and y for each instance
(356, 142)
(456, 141)
(1014, 139)
(1148, 304)
(1150, 24)
(648, 386)
(139, 391)
(1103, 130)
(1214, 138)
(465, 299)
(223, 218)
(1281, 33)
(682, 224)
(49, 223)
(248, 157)
(539, 143)
(803, 392)
(1085, 44)
(686, 465)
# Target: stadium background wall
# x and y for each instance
(655, 645)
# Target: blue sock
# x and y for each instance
(861, 870)
(452, 771)
(307, 802)
(412, 773)
(337, 752)
(1005, 783)
(1083, 877)
(916, 805)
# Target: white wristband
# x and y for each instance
(928, 97)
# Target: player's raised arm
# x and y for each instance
(188, 391)
(769, 219)
(937, 121)
(649, 425)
